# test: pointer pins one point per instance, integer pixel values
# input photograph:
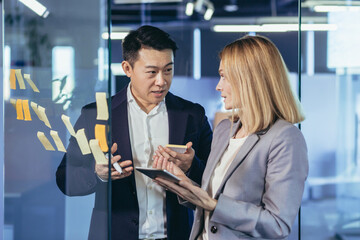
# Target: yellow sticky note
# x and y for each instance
(25, 104)
(13, 102)
(82, 141)
(20, 78)
(45, 142)
(34, 106)
(100, 135)
(12, 79)
(44, 118)
(19, 110)
(101, 106)
(97, 153)
(68, 124)
(59, 144)
(31, 83)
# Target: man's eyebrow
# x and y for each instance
(150, 66)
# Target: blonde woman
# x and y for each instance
(254, 179)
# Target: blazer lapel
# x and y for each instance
(216, 154)
(239, 158)
(120, 128)
(176, 115)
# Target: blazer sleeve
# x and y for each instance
(75, 175)
(287, 169)
(202, 148)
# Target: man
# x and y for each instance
(145, 117)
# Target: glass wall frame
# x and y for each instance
(55, 61)
(319, 61)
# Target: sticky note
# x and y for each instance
(12, 79)
(82, 141)
(101, 106)
(177, 148)
(20, 78)
(34, 106)
(25, 105)
(97, 153)
(19, 110)
(45, 142)
(59, 144)
(31, 83)
(100, 135)
(13, 102)
(44, 118)
(68, 124)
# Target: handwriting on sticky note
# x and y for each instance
(100, 135)
(97, 153)
(45, 142)
(101, 106)
(59, 144)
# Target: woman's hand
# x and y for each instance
(182, 160)
(185, 189)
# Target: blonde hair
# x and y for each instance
(261, 90)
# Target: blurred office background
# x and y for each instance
(63, 47)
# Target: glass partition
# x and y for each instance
(55, 62)
(330, 90)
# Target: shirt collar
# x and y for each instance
(131, 100)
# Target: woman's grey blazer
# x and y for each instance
(261, 192)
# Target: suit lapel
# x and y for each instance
(177, 120)
(120, 128)
(216, 154)
(239, 158)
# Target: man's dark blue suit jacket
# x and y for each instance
(75, 175)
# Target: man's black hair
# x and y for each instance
(146, 37)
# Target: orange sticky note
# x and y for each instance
(100, 135)
(12, 79)
(19, 110)
(25, 105)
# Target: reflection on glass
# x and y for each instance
(331, 67)
(63, 75)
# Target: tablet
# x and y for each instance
(153, 173)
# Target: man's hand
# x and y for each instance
(102, 170)
(182, 160)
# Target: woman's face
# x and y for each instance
(224, 87)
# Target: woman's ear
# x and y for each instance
(127, 68)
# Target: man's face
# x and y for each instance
(151, 76)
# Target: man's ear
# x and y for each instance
(127, 68)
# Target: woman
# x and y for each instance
(254, 179)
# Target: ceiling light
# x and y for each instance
(189, 10)
(208, 13)
(114, 35)
(274, 28)
(231, 8)
(333, 8)
(36, 7)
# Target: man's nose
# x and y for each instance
(160, 80)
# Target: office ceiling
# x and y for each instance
(151, 11)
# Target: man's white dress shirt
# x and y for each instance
(147, 132)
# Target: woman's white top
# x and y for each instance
(218, 175)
